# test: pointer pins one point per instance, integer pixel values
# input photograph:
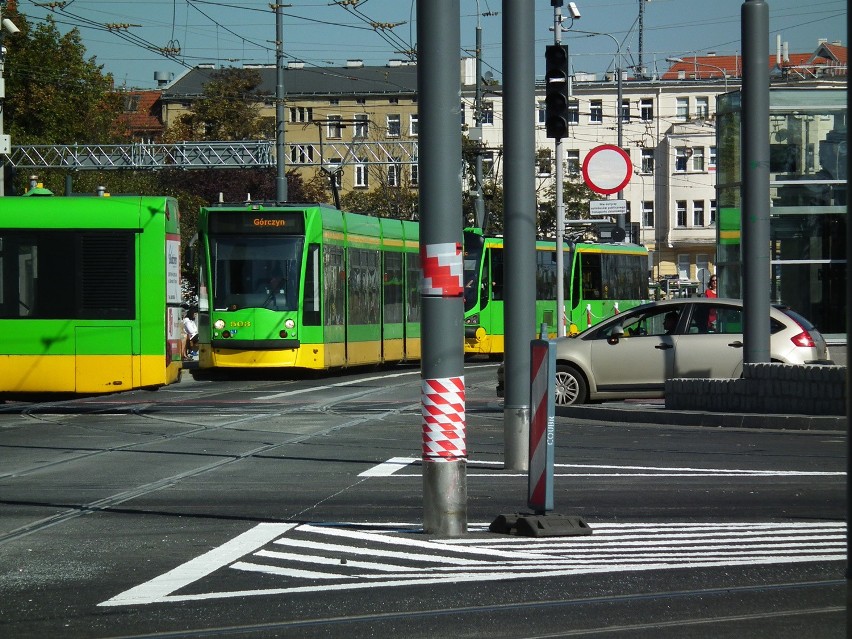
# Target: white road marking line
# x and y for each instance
(394, 464)
(389, 467)
(201, 566)
(313, 389)
(612, 548)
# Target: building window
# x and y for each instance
(680, 206)
(393, 174)
(648, 214)
(702, 108)
(596, 112)
(711, 160)
(361, 125)
(302, 154)
(681, 156)
(393, 100)
(394, 124)
(336, 170)
(488, 164)
(361, 178)
(572, 161)
(543, 162)
(646, 109)
(682, 109)
(648, 161)
(573, 112)
(301, 114)
(683, 266)
(698, 158)
(541, 113)
(413, 125)
(625, 110)
(461, 111)
(712, 220)
(361, 101)
(698, 213)
(334, 127)
(415, 173)
(487, 113)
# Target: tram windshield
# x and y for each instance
(253, 272)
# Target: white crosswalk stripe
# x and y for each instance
(311, 558)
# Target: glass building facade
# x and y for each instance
(807, 193)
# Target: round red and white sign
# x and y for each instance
(607, 169)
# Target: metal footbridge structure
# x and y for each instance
(208, 155)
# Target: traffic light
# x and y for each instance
(556, 91)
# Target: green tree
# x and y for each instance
(54, 94)
(575, 196)
(228, 110)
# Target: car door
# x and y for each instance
(641, 360)
(711, 344)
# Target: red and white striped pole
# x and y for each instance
(442, 402)
(542, 423)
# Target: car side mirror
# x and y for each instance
(615, 334)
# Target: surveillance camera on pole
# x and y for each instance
(9, 26)
(573, 11)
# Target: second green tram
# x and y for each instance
(306, 286)
(599, 280)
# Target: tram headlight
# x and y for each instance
(219, 324)
(289, 324)
(473, 319)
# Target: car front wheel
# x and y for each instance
(570, 386)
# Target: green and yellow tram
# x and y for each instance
(89, 293)
(599, 280)
(306, 286)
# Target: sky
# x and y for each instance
(133, 39)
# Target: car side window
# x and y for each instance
(728, 320)
(658, 322)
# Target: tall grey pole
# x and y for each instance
(2, 107)
(479, 202)
(280, 151)
(560, 196)
(755, 185)
(442, 328)
(519, 222)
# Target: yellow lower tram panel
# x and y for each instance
(84, 374)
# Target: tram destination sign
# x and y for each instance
(607, 207)
(261, 222)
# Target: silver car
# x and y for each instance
(632, 354)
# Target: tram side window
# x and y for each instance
(497, 273)
(625, 276)
(363, 286)
(545, 275)
(392, 306)
(333, 292)
(69, 275)
(590, 265)
(412, 286)
(311, 296)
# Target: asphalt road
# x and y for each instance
(264, 507)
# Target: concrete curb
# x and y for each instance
(653, 415)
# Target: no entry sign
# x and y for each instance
(607, 169)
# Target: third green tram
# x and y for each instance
(599, 280)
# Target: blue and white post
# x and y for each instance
(542, 422)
